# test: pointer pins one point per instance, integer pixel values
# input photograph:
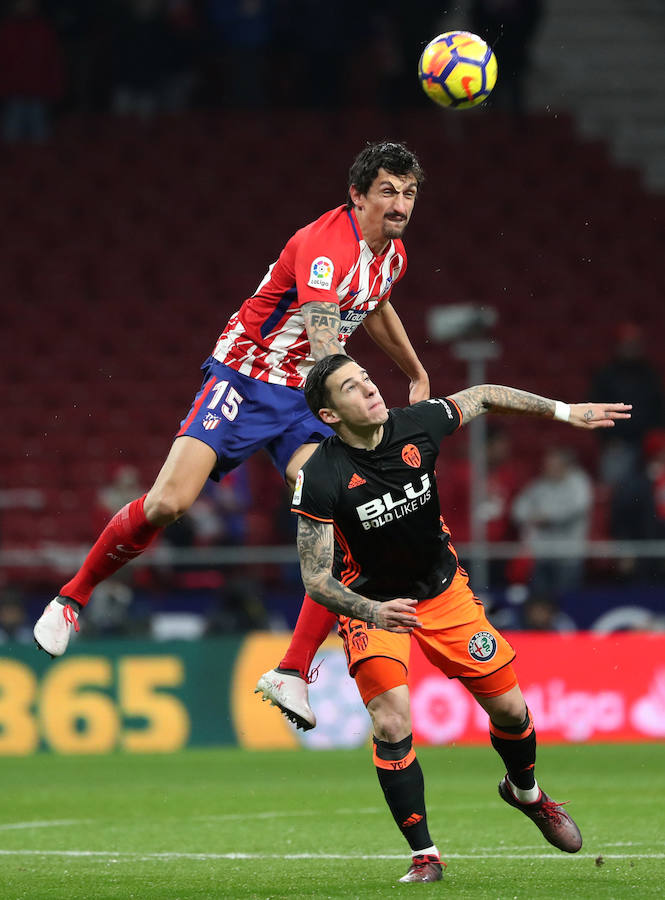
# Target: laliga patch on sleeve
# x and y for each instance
(321, 273)
(297, 494)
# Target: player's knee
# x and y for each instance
(163, 507)
(512, 717)
(508, 709)
(391, 726)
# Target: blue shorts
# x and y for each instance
(237, 415)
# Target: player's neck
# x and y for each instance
(377, 243)
(379, 246)
(367, 438)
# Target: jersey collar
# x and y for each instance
(351, 213)
(361, 451)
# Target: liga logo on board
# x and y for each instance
(321, 273)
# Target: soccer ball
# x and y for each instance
(457, 69)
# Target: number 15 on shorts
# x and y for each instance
(231, 397)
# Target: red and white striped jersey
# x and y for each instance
(328, 261)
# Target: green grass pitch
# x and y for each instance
(230, 823)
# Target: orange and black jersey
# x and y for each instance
(384, 505)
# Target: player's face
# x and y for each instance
(355, 400)
(384, 211)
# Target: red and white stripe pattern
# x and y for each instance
(266, 338)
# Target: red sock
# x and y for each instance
(125, 537)
(312, 628)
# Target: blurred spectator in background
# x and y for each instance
(505, 475)
(508, 26)
(555, 509)
(654, 452)
(637, 506)
(381, 68)
(185, 44)
(529, 610)
(242, 33)
(125, 483)
(152, 57)
(629, 374)
(14, 625)
(81, 26)
(322, 31)
(114, 597)
(240, 608)
(541, 612)
(32, 74)
(217, 518)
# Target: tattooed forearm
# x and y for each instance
(316, 547)
(316, 550)
(496, 398)
(322, 321)
(339, 599)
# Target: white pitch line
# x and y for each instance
(288, 814)
(129, 855)
(309, 813)
(52, 823)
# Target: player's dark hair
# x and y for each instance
(394, 158)
(317, 394)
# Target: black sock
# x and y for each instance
(403, 785)
(67, 601)
(516, 745)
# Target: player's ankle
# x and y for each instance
(68, 601)
(428, 851)
(525, 795)
(284, 671)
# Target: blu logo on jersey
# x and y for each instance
(384, 509)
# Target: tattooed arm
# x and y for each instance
(497, 398)
(322, 321)
(316, 551)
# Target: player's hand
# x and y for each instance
(419, 389)
(598, 415)
(398, 615)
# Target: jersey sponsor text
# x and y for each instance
(382, 510)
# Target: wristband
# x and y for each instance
(561, 411)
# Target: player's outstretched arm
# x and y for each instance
(496, 398)
(316, 552)
(385, 328)
(322, 322)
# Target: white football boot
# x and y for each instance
(289, 693)
(54, 627)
